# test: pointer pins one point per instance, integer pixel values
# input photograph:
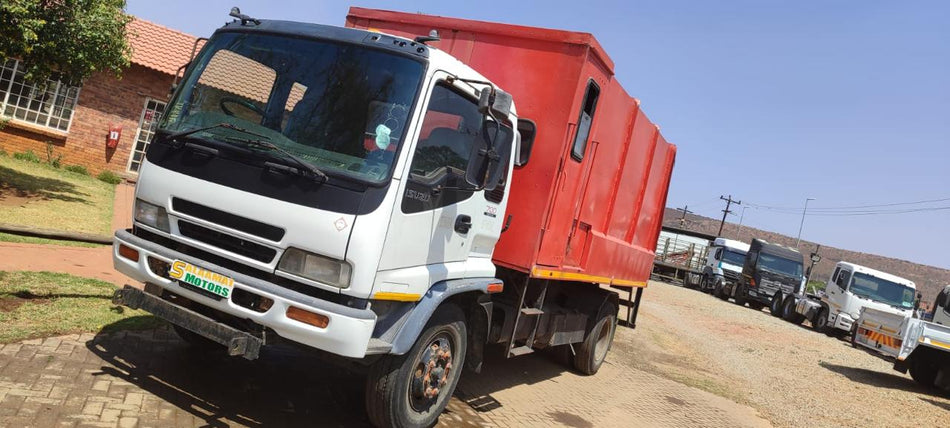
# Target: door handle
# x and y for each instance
(463, 223)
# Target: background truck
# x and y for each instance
(915, 345)
(850, 289)
(770, 272)
(723, 264)
(373, 194)
(680, 255)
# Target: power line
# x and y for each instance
(846, 208)
(726, 211)
(859, 213)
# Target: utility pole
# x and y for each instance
(685, 210)
(726, 211)
(802, 224)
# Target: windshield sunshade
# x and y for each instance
(339, 107)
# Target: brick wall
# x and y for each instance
(103, 101)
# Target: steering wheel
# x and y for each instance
(246, 104)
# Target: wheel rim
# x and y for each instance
(432, 372)
(603, 342)
(822, 320)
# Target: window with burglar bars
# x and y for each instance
(151, 114)
(50, 105)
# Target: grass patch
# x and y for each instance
(43, 304)
(38, 195)
(20, 239)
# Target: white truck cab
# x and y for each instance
(723, 264)
(852, 288)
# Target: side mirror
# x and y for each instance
(494, 102)
(489, 155)
(527, 130)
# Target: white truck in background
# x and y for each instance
(851, 289)
(915, 345)
(723, 264)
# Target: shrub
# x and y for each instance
(109, 177)
(28, 156)
(78, 169)
(54, 161)
(3, 152)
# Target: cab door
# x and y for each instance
(440, 220)
(836, 291)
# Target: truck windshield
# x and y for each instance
(882, 290)
(340, 107)
(733, 257)
(774, 264)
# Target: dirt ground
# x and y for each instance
(792, 375)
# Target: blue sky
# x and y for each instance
(847, 102)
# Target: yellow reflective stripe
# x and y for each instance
(556, 274)
(399, 297)
(936, 343)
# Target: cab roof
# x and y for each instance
(878, 274)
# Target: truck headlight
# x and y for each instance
(316, 267)
(151, 215)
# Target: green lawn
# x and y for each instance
(38, 195)
(43, 304)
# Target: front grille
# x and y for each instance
(248, 270)
(227, 242)
(731, 276)
(246, 225)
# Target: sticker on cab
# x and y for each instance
(204, 279)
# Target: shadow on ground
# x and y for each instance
(16, 184)
(874, 378)
(287, 386)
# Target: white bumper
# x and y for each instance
(348, 332)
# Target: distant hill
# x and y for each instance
(930, 280)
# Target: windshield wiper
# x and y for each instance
(225, 125)
(303, 167)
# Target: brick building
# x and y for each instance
(76, 121)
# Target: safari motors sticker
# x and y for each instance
(202, 278)
(340, 224)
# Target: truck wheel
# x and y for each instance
(718, 290)
(820, 321)
(788, 311)
(756, 305)
(924, 372)
(704, 284)
(592, 352)
(775, 307)
(739, 297)
(412, 390)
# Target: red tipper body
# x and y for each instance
(595, 219)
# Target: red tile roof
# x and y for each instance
(159, 47)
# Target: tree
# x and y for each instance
(70, 39)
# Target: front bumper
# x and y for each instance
(347, 334)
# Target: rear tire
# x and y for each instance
(924, 372)
(775, 307)
(412, 390)
(593, 350)
(788, 311)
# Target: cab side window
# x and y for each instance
(437, 171)
(843, 278)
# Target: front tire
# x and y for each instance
(775, 307)
(412, 390)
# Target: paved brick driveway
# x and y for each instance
(150, 378)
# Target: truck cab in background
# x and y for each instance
(723, 264)
(940, 312)
(850, 289)
(770, 273)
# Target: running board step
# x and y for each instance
(531, 311)
(521, 350)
